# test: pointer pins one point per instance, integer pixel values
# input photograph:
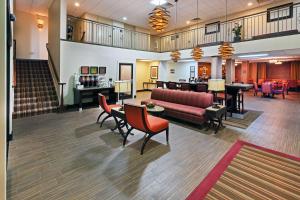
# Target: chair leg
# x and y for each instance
(108, 116)
(100, 116)
(167, 135)
(125, 138)
(145, 142)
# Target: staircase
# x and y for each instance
(34, 92)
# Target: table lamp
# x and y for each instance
(122, 87)
(216, 85)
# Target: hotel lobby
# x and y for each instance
(150, 99)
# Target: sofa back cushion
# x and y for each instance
(196, 99)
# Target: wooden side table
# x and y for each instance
(215, 115)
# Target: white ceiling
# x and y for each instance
(137, 11)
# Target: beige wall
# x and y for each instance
(31, 42)
(143, 73)
(3, 100)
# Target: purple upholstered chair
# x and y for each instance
(279, 89)
(266, 88)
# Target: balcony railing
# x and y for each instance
(253, 27)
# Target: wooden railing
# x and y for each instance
(59, 86)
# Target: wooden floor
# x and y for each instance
(67, 156)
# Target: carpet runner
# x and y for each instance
(34, 92)
(249, 172)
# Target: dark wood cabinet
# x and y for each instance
(90, 96)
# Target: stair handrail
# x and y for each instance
(59, 85)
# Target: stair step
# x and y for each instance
(38, 111)
(34, 105)
(35, 99)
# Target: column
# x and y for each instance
(230, 71)
(245, 71)
(216, 67)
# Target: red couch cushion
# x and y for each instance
(156, 124)
(194, 99)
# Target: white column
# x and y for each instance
(216, 67)
(230, 71)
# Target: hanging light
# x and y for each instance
(159, 18)
(197, 52)
(175, 55)
(226, 50)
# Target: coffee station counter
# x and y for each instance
(89, 95)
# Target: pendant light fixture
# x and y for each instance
(226, 50)
(159, 18)
(197, 52)
(175, 55)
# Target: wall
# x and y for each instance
(31, 42)
(74, 55)
(3, 100)
(279, 71)
(182, 70)
(238, 73)
(143, 73)
(54, 33)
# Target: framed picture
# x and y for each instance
(192, 71)
(102, 70)
(282, 12)
(93, 70)
(212, 28)
(84, 70)
(154, 72)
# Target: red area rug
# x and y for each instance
(248, 171)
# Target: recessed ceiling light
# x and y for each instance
(158, 2)
(188, 22)
(250, 4)
(124, 18)
(77, 4)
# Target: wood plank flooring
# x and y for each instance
(67, 156)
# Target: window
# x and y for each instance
(280, 12)
(212, 28)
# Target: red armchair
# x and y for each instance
(106, 108)
(138, 118)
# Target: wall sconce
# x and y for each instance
(40, 24)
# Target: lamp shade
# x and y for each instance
(216, 85)
(123, 86)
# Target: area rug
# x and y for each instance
(248, 171)
(243, 123)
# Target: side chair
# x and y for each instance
(106, 108)
(138, 118)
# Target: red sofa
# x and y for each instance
(184, 105)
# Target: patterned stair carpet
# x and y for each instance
(249, 172)
(34, 92)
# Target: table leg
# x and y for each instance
(118, 126)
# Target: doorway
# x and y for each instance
(126, 73)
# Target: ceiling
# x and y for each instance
(137, 11)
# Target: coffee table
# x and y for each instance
(156, 110)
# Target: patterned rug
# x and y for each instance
(251, 116)
(249, 172)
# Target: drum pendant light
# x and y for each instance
(197, 52)
(226, 50)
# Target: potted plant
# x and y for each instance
(237, 30)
